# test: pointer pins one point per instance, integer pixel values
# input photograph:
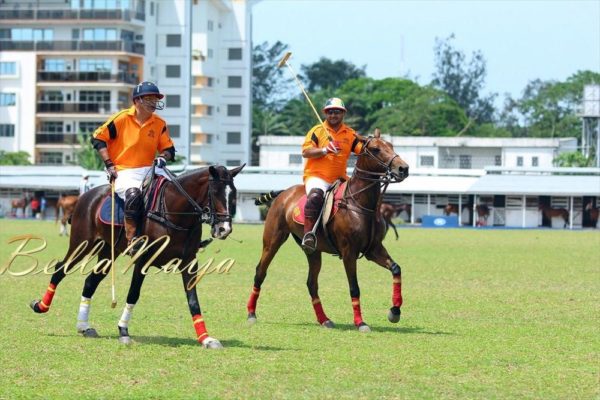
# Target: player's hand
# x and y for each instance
(333, 147)
(160, 162)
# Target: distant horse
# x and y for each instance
(16, 204)
(389, 211)
(453, 209)
(66, 204)
(356, 228)
(550, 212)
(202, 195)
(593, 211)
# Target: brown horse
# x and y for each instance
(550, 212)
(389, 211)
(203, 195)
(16, 204)
(356, 228)
(453, 209)
(66, 204)
(593, 211)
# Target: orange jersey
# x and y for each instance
(331, 166)
(132, 146)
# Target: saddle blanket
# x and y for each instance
(299, 209)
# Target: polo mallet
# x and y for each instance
(112, 241)
(283, 61)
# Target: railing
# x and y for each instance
(55, 138)
(73, 45)
(86, 107)
(67, 14)
(86, 76)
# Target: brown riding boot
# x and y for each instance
(309, 242)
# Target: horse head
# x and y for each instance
(222, 196)
(378, 156)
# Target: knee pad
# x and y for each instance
(133, 203)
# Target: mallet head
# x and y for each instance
(113, 304)
(284, 59)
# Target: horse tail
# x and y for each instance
(266, 198)
(58, 206)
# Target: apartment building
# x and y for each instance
(66, 66)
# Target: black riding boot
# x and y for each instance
(314, 202)
(133, 212)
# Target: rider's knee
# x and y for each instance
(315, 198)
(133, 202)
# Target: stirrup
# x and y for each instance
(309, 243)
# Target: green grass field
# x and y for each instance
(487, 314)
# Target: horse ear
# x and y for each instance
(212, 170)
(236, 170)
(377, 133)
(359, 137)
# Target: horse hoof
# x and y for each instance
(394, 315)
(328, 324)
(211, 343)
(251, 318)
(90, 333)
(364, 328)
(35, 306)
(126, 340)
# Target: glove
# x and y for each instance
(333, 147)
(160, 162)
(111, 171)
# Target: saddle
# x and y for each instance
(333, 196)
(152, 191)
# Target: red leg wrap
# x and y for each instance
(356, 308)
(200, 327)
(397, 292)
(321, 317)
(253, 300)
(46, 302)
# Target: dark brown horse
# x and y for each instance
(593, 211)
(453, 209)
(202, 195)
(66, 205)
(550, 212)
(356, 228)
(389, 211)
(16, 204)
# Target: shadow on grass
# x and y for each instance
(176, 342)
(374, 328)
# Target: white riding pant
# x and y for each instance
(133, 177)
(316, 183)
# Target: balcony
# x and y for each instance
(68, 14)
(84, 107)
(83, 76)
(73, 45)
(55, 138)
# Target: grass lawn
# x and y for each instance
(487, 314)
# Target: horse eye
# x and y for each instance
(375, 150)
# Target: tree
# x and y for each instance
(572, 159)
(329, 75)
(14, 158)
(86, 156)
(463, 80)
(270, 88)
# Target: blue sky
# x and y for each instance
(521, 40)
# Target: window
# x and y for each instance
(235, 53)
(92, 34)
(498, 161)
(52, 96)
(234, 137)
(94, 65)
(174, 40)
(173, 71)
(209, 82)
(232, 163)
(519, 161)
(174, 131)
(173, 100)
(210, 25)
(464, 162)
(234, 110)
(94, 96)
(534, 162)
(234, 81)
(54, 65)
(8, 99)
(295, 159)
(54, 158)
(8, 68)
(7, 130)
(209, 53)
(209, 110)
(426, 161)
(29, 34)
(89, 126)
(52, 127)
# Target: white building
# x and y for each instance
(66, 66)
(438, 152)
